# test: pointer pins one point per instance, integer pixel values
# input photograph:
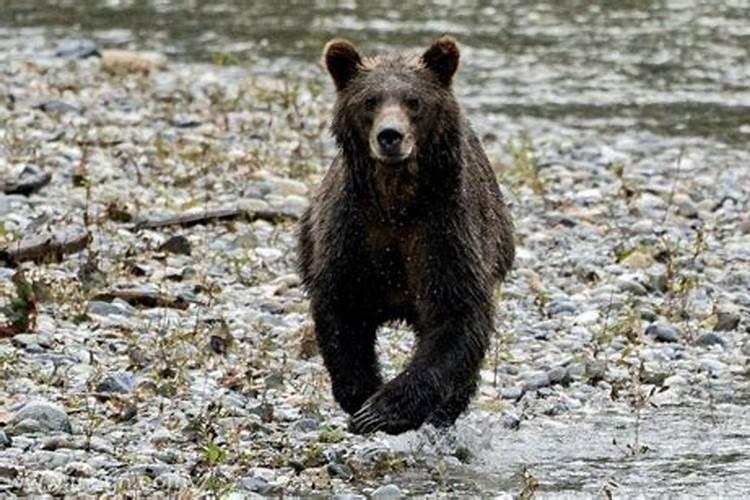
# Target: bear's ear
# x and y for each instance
(342, 61)
(442, 58)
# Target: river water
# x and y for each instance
(628, 72)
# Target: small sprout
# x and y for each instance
(330, 435)
(463, 454)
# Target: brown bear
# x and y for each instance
(408, 224)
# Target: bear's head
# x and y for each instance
(392, 109)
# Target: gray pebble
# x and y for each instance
(557, 375)
(79, 469)
(50, 417)
(341, 471)
(631, 286)
(5, 441)
(513, 392)
(386, 492)
(561, 308)
(173, 481)
(117, 382)
(712, 366)
(110, 309)
(257, 484)
(663, 332)
(92, 486)
(709, 339)
(536, 381)
(30, 342)
(306, 424)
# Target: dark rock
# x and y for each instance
(709, 339)
(727, 321)
(341, 471)
(511, 421)
(663, 332)
(9, 471)
(179, 245)
(117, 382)
(5, 441)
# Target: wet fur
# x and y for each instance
(425, 243)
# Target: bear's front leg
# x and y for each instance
(443, 370)
(347, 344)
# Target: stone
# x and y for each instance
(306, 424)
(536, 381)
(340, 471)
(512, 392)
(5, 441)
(114, 308)
(663, 332)
(117, 382)
(50, 417)
(178, 245)
(727, 321)
(709, 339)
(387, 492)
(173, 481)
(557, 375)
(79, 469)
(257, 484)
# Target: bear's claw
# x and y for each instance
(366, 420)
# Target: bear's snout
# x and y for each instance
(391, 139)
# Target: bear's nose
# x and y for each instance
(389, 138)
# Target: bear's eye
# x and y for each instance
(413, 104)
(370, 103)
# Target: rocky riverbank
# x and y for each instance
(179, 358)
